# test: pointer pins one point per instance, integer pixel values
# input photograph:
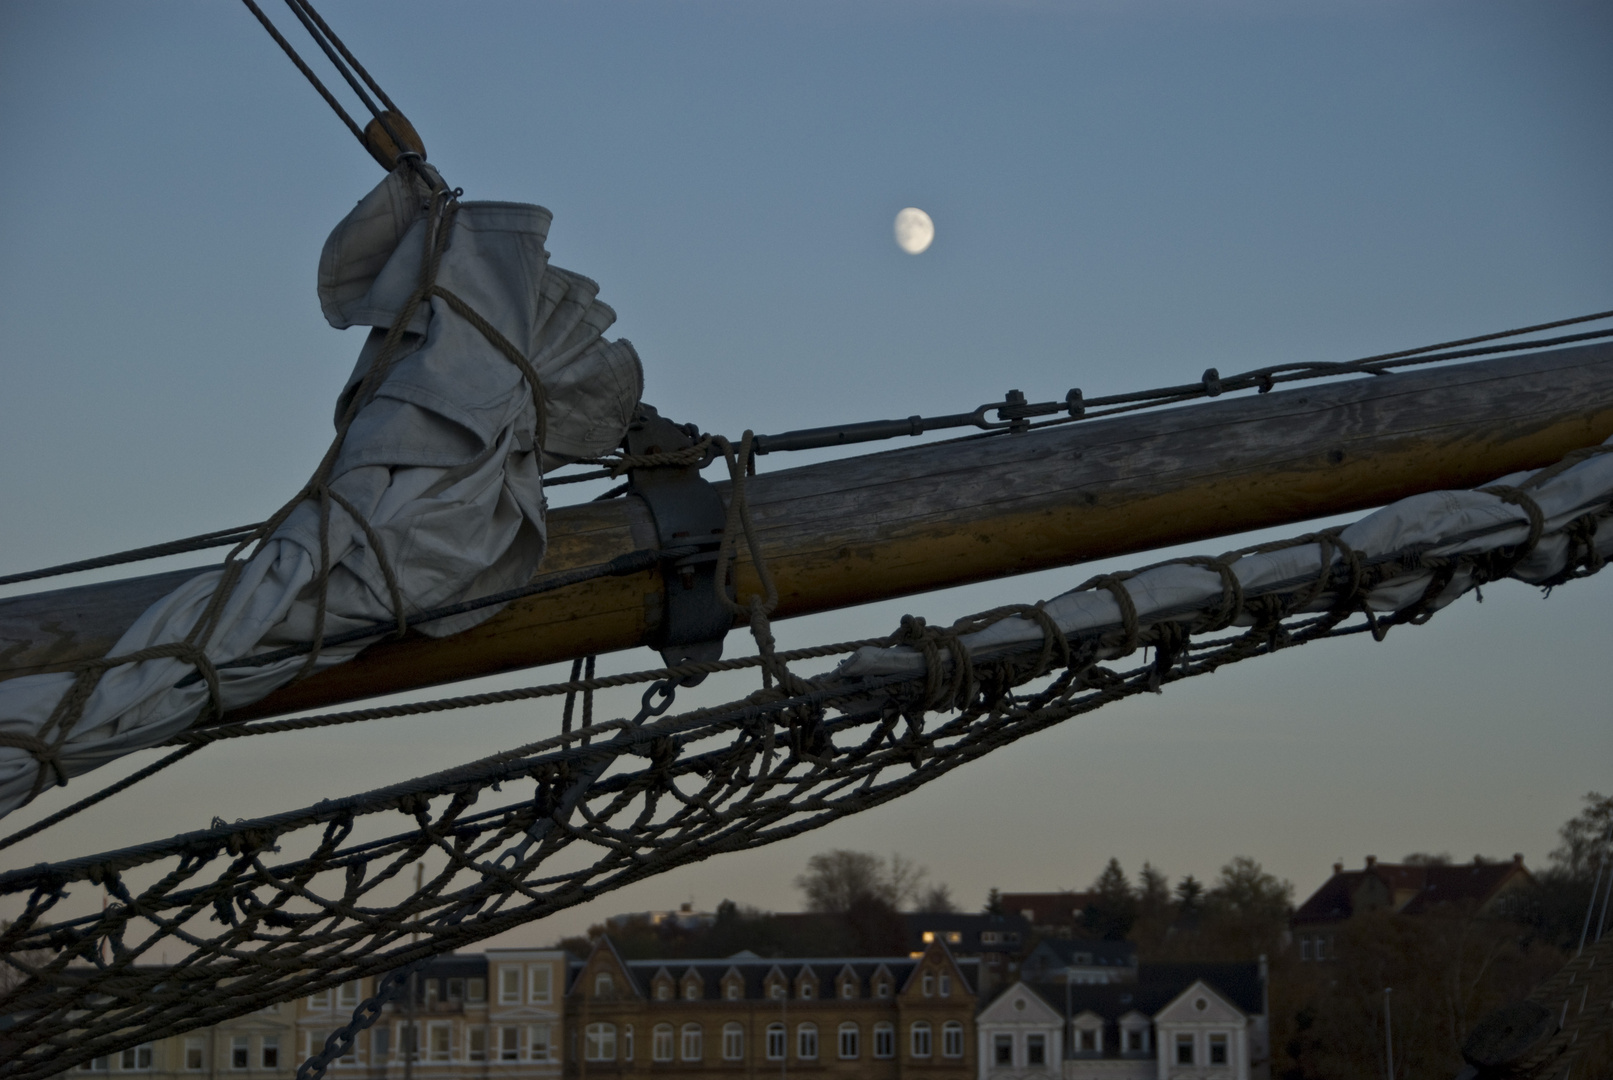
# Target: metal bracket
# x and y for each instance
(688, 513)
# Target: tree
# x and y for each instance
(937, 900)
(1113, 909)
(994, 903)
(1189, 899)
(1585, 837)
(1155, 912)
(836, 880)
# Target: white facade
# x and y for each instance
(1202, 1036)
(1014, 1032)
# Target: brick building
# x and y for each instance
(746, 1016)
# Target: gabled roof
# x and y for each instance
(1476, 882)
(1087, 951)
(1157, 986)
(1047, 908)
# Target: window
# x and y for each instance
(806, 1042)
(733, 991)
(320, 1000)
(884, 1040)
(627, 1043)
(476, 990)
(661, 1042)
(883, 989)
(604, 985)
(733, 1042)
(928, 936)
(509, 985)
(509, 1044)
(195, 1054)
(456, 989)
(848, 989)
(952, 1039)
(1002, 1050)
(1218, 1049)
(599, 1043)
(409, 1041)
(775, 1042)
(850, 1041)
(100, 1064)
(138, 1057)
(438, 1042)
(269, 1052)
(476, 1044)
(991, 937)
(380, 1044)
(538, 1043)
(692, 1050)
(808, 989)
(1304, 946)
(1136, 1039)
(663, 992)
(776, 991)
(1036, 1049)
(920, 1041)
(429, 991)
(537, 984)
(1184, 1049)
(691, 991)
(929, 985)
(1086, 1040)
(347, 994)
(954, 937)
(946, 986)
(240, 1052)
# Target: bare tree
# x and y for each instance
(835, 881)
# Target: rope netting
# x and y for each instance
(278, 907)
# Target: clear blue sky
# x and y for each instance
(1124, 194)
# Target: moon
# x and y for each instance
(915, 232)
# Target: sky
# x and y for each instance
(1124, 194)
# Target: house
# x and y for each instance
(1177, 1022)
(1480, 887)
(1056, 914)
(997, 941)
(1080, 960)
(874, 1017)
(686, 918)
(492, 1014)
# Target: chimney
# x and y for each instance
(1372, 860)
(1338, 868)
(1517, 858)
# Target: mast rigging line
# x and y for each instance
(1012, 418)
(285, 905)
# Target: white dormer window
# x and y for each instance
(946, 986)
(848, 989)
(734, 990)
(691, 991)
(777, 992)
(929, 985)
(883, 989)
(663, 992)
(806, 991)
(603, 984)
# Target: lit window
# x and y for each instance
(954, 937)
(1218, 1049)
(884, 1040)
(733, 1042)
(850, 1041)
(509, 985)
(476, 1044)
(599, 1043)
(806, 1042)
(775, 1042)
(929, 985)
(537, 1043)
(661, 1043)
(1036, 1049)
(509, 1044)
(1002, 1050)
(920, 1042)
(1184, 1049)
(603, 984)
(537, 984)
(692, 1048)
(195, 1054)
(476, 990)
(946, 986)
(269, 1052)
(438, 1042)
(241, 1052)
(929, 936)
(952, 1039)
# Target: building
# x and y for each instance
(1080, 960)
(997, 941)
(1478, 887)
(686, 918)
(494, 1014)
(1176, 1022)
(1056, 914)
(746, 1016)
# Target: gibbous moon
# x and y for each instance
(915, 232)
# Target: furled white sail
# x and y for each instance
(442, 462)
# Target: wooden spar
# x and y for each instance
(925, 517)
